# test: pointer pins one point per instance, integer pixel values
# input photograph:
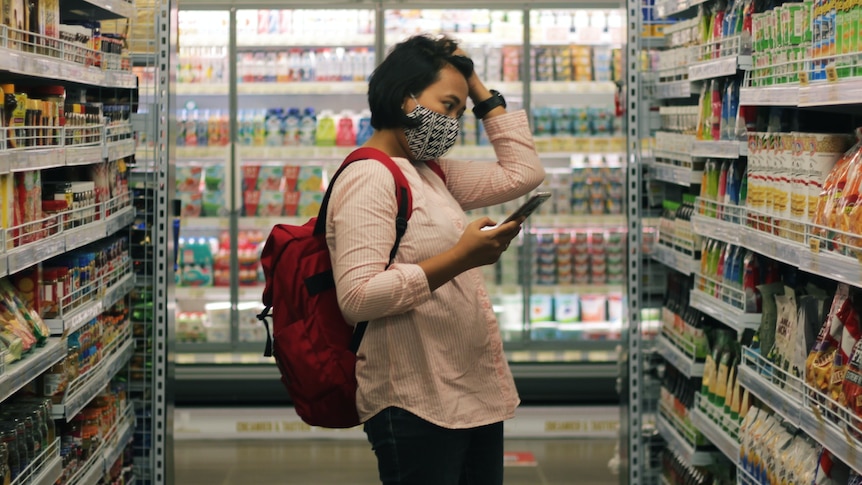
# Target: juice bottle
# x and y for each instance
(290, 127)
(308, 127)
(346, 136)
(326, 129)
(365, 130)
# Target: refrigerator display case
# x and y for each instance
(271, 101)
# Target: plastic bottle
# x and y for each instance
(307, 127)
(364, 131)
(326, 129)
(273, 127)
(202, 127)
(259, 128)
(346, 136)
(182, 119)
(191, 129)
(291, 127)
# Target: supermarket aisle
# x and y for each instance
(351, 462)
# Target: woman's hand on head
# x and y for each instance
(476, 88)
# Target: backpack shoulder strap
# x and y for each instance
(402, 190)
(405, 208)
(433, 165)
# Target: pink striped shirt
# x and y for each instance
(438, 355)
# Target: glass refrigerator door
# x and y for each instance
(575, 249)
(203, 178)
(494, 40)
(558, 296)
(301, 108)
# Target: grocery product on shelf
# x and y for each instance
(676, 471)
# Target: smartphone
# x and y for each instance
(525, 210)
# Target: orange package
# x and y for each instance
(847, 205)
(833, 187)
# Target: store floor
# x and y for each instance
(351, 462)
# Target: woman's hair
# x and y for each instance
(410, 67)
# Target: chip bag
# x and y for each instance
(851, 394)
(818, 366)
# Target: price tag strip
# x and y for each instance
(30, 254)
(85, 234)
(120, 219)
(723, 312)
(716, 435)
(20, 373)
(676, 357)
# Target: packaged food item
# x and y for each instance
(271, 203)
(726, 375)
(709, 383)
(310, 179)
(818, 365)
(188, 179)
(769, 315)
(250, 202)
(593, 308)
(214, 177)
(851, 393)
(291, 177)
(809, 319)
(309, 204)
(250, 173)
(833, 187)
(750, 280)
(849, 317)
(745, 433)
(785, 330)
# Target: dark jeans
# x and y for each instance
(412, 451)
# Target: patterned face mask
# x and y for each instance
(436, 135)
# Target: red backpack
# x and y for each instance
(314, 347)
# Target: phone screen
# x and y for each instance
(530, 206)
(525, 210)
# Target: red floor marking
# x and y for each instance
(519, 458)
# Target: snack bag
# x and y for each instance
(818, 366)
(809, 318)
(849, 317)
(833, 188)
(769, 315)
(785, 330)
(851, 394)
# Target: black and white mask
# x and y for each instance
(434, 137)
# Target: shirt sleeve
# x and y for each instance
(517, 171)
(360, 233)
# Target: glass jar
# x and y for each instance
(9, 438)
(5, 473)
(47, 408)
(33, 435)
(25, 449)
(90, 430)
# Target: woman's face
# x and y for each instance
(447, 96)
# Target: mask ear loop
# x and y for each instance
(414, 100)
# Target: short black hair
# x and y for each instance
(409, 68)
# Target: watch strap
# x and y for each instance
(483, 108)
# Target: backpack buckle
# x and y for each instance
(262, 316)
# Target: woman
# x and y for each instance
(434, 385)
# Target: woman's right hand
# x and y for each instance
(476, 248)
(484, 246)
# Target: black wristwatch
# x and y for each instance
(496, 99)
